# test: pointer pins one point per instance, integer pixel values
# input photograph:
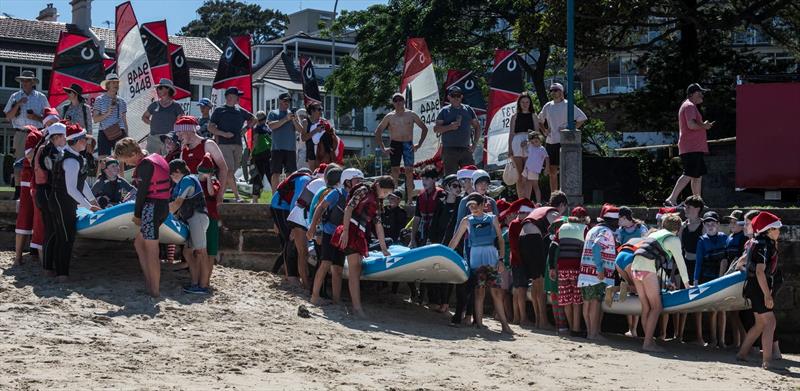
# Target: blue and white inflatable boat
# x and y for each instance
(434, 263)
(722, 294)
(116, 223)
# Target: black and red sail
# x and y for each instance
(180, 72)
(156, 45)
(468, 82)
(235, 68)
(310, 87)
(109, 66)
(77, 61)
(505, 86)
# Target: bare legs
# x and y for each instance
(354, 283)
(523, 190)
(650, 297)
(301, 244)
(765, 327)
(147, 251)
(19, 245)
(573, 313)
(696, 185)
(591, 313)
(319, 279)
(553, 178)
(409, 182)
(539, 304)
(520, 310)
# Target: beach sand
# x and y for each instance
(100, 331)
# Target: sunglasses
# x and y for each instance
(455, 186)
(455, 95)
(555, 90)
(395, 100)
(162, 88)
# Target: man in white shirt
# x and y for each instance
(25, 107)
(553, 119)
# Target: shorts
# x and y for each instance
(624, 259)
(454, 158)
(155, 145)
(311, 150)
(283, 160)
(593, 292)
(519, 275)
(516, 144)
(487, 276)
(640, 274)
(19, 142)
(198, 229)
(331, 253)
(568, 291)
(154, 213)
(553, 153)
(356, 240)
(531, 250)
(530, 175)
(753, 293)
(212, 237)
(694, 165)
(232, 153)
(404, 149)
(25, 215)
(105, 147)
(483, 256)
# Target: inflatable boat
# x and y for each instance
(722, 294)
(115, 223)
(434, 263)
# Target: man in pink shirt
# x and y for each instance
(692, 143)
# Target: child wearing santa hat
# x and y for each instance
(763, 279)
(25, 210)
(211, 186)
(597, 267)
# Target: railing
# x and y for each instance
(750, 37)
(617, 84)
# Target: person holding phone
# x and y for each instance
(692, 143)
(285, 126)
(25, 107)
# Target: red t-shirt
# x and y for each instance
(514, 230)
(690, 140)
(211, 201)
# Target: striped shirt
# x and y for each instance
(102, 105)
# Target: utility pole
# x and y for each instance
(333, 64)
(571, 172)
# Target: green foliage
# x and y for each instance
(657, 175)
(220, 19)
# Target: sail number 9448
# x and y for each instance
(139, 80)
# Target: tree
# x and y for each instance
(220, 19)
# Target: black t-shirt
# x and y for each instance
(394, 220)
(443, 225)
(230, 119)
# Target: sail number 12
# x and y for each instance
(139, 80)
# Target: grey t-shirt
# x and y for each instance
(230, 119)
(461, 137)
(283, 137)
(163, 118)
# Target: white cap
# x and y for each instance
(464, 173)
(480, 174)
(351, 173)
(56, 128)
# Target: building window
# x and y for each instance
(195, 92)
(10, 74)
(46, 78)
(207, 92)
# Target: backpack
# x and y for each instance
(285, 189)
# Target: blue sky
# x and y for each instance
(177, 12)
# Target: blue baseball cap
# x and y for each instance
(205, 102)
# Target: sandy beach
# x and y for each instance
(100, 331)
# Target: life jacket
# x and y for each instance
(194, 156)
(43, 162)
(285, 189)
(367, 209)
(196, 203)
(570, 240)
(307, 195)
(159, 186)
(481, 230)
(538, 217)
(652, 247)
(768, 250)
(59, 180)
(335, 213)
(426, 204)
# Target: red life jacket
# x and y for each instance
(160, 181)
(539, 218)
(367, 209)
(426, 204)
(285, 189)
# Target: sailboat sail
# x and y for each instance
(156, 45)
(310, 86)
(77, 61)
(419, 87)
(234, 70)
(180, 72)
(504, 88)
(137, 85)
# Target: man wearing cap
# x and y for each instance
(76, 110)
(25, 107)
(161, 115)
(110, 112)
(284, 127)
(453, 123)
(553, 117)
(401, 139)
(226, 124)
(205, 106)
(261, 154)
(692, 143)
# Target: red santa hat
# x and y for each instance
(579, 212)
(206, 165)
(186, 123)
(32, 139)
(320, 171)
(75, 132)
(665, 211)
(502, 205)
(609, 211)
(466, 172)
(522, 205)
(765, 221)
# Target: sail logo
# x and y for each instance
(229, 52)
(469, 84)
(179, 61)
(87, 53)
(511, 66)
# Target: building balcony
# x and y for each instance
(614, 85)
